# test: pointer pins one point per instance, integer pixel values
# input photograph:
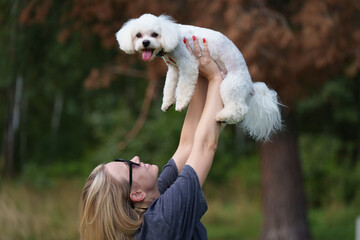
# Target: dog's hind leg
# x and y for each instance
(187, 82)
(234, 90)
(171, 81)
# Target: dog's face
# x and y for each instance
(148, 42)
(148, 35)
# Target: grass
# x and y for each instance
(335, 222)
(232, 220)
(232, 213)
(51, 212)
(30, 213)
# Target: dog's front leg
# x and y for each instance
(188, 74)
(171, 81)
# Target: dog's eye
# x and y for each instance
(154, 35)
(138, 35)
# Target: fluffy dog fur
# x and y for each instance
(253, 105)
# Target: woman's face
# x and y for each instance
(144, 176)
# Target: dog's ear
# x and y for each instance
(125, 37)
(170, 34)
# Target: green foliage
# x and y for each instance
(7, 22)
(333, 108)
(50, 70)
(328, 121)
(329, 174)
(154, 143)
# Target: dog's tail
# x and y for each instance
(263, 117)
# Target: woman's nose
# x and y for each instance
(136, 159)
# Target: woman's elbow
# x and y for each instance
(210, 146)
(207, 140)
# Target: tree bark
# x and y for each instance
(11, 130)
(282, 188)
(358, 125)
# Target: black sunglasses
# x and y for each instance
(131, 164)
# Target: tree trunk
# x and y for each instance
(282, 188)
(23, 132)
(11, 130)
(55, 120)
(358, 125)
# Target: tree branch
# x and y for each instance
(149, 96)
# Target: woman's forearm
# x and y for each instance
(208, 129)
(194, 113)
(190, 124)
(207, 133)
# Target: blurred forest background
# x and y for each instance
(70, 99)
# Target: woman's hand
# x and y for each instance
(207, 67)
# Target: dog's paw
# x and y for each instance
(166, 107)
(180, 108)
(221, 122)
(228, 117)
(220, 118)
(181, 105)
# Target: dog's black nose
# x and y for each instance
(146, 43)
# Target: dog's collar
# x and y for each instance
(161, 53)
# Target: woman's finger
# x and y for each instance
(206, 49)
(188, 47)
(197, 47)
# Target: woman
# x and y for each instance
(125, 199)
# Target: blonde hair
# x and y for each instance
(105, 210)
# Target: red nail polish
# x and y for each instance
(184, 40)
(194, 38)
(204, 40)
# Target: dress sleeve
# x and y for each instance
(168, 176)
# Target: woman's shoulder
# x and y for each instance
(168, 175)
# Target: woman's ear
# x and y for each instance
(137, 196)
(170, 34)
(125, 37)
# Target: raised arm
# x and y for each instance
(208, 130)
(191, 120)
(190, 124)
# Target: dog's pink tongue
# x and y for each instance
(146, 55)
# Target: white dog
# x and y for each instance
(254, 105)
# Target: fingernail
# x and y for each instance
(204, 40)
(184, 40)
(194, 38)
